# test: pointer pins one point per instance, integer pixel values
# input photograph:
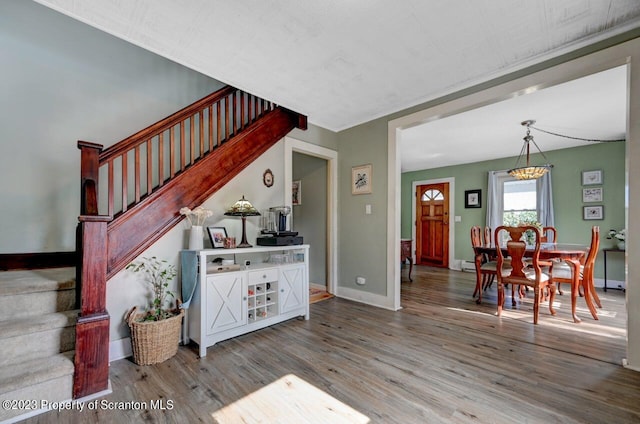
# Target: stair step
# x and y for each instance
(36, 337)
(36, 323)
(36, 292)
(49, 379)
(36, 280)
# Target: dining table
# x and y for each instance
(573, 254)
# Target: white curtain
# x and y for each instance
(544, 200)
(495, 194)
(495, 189)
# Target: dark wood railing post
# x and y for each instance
(92, 327)
(91, 359)
(89, 172)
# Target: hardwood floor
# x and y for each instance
(441, 359)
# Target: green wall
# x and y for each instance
(362, 237)
(567, 197)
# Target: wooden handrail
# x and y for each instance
(135, 139)
(158, 170)
(143, 162)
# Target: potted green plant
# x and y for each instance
(155, 333)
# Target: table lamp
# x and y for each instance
(243, 208)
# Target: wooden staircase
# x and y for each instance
(180, 161)
(131, 194)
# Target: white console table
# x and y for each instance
(272, 288)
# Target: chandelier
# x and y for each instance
(528, 172)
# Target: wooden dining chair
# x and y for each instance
(487, 236)
(549, 235)
(485, 267)
(562, 272)
(517, 272)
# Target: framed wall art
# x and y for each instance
(592, 177)
(472, 198)
(217, 236)
(296, 192)
(593, 212)
(361, 179)
(592, 194)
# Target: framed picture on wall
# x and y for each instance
(592, 177)
(593, 212)
(361, 179)
(296, 192)
(592, 194)
(472, 198)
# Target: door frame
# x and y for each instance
(452, 201)
(547, 74)
(331, 156)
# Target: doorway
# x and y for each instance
(309, 212)
(623, 54)
(305, 193)
(432, 225)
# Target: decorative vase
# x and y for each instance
(621, 245)
(196, 241)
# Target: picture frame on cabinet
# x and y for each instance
(217, 236)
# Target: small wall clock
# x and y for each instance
(267, 178)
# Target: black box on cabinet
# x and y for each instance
(279, 241)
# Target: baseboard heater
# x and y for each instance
(468, 266)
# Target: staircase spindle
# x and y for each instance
(161, 159)
(124, 185)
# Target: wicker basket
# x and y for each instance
(154, 341)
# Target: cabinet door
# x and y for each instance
(292, 295)
(226, 301)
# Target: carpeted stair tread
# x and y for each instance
(31, 373)
(36, 323)
(37, 280)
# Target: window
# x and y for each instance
(432, 195)
(519, 202)
(511, 201)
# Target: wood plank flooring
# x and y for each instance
(441, 359)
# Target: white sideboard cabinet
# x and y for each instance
(271, 286)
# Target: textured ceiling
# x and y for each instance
(345, 62)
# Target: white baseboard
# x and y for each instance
(364, 297)
(611, 284)
(317, 286)
(120, 349)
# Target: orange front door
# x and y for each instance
(432, 225)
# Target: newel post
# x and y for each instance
(91, 361)
(89, 173)
(92, 327)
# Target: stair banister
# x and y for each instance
(91, 360)
(240, 129)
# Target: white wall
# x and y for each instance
(126, 290)
(64, 81)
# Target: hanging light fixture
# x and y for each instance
(528, 172)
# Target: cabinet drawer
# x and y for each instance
(263, 275)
